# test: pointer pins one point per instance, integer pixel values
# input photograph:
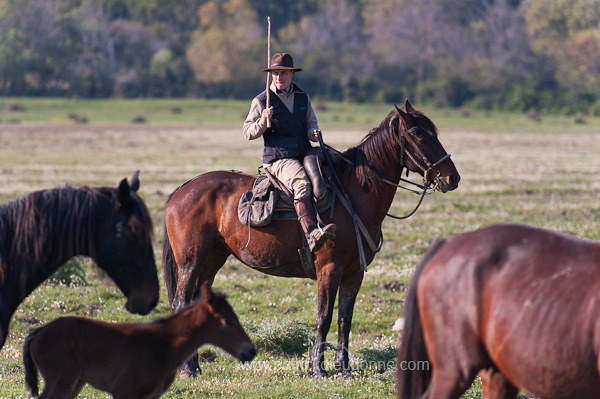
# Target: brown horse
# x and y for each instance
(202, 228)
(518, 303)
(125, 359)
(41, 231)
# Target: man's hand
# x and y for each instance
(267, 113)
(315, 134)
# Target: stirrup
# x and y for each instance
(327, 231)
(314, 244)
(319, 235)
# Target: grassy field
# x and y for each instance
(540, 170)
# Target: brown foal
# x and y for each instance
(129, 360)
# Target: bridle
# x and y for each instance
(338, 187)
(428, 186)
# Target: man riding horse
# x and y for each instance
(287, 124)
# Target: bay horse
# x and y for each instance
(129, 360)
(518, 304)
(202, 228)
(42, 230)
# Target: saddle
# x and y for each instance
(269, 199)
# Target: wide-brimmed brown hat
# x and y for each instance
(282, 61)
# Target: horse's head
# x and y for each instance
(422, 151)
(225, 330)
(124, 248)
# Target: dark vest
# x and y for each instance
(286, 138)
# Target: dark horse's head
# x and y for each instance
(124, 248)
(422, 152)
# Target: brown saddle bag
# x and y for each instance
(256, 206)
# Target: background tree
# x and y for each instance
(564, 31)
(502, 59)
(228, 48)
(408, 39)
(507, 54)
(95, 63)
(330, 47)
(36, 31)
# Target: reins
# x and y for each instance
(426, 188)
(359, 226)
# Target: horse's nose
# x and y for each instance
(248, 354)
(143, 300)
(454, 179)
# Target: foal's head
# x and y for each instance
(223, 327)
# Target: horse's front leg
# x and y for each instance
(204, 267)
(187, 282)
(328, 281)
(348, 291)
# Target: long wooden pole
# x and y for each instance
(268, 65)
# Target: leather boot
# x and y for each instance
(315, 235)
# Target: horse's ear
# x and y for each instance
(408, 107)
(123, 193)
(134, 181)
(205, 292)
(401, 113)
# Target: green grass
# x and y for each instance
(513, 169)
(231, 113)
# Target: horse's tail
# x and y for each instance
(31, 375)
(169, 267)
(414, 371)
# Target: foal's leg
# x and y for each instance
(496, 386)
(348, 291)
(328, 281)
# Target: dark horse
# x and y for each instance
(129, 360)
(519, 304)
(202, 227)
(41, 231)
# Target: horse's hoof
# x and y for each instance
(320, 373)
(186, 373)
(347, 374)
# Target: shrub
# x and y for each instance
(71, 274)
(290, 337)
(379, 360)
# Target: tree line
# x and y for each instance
(494, 54)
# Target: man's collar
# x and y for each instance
(288, 92)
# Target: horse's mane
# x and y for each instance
(379, 150)
(43, 227)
